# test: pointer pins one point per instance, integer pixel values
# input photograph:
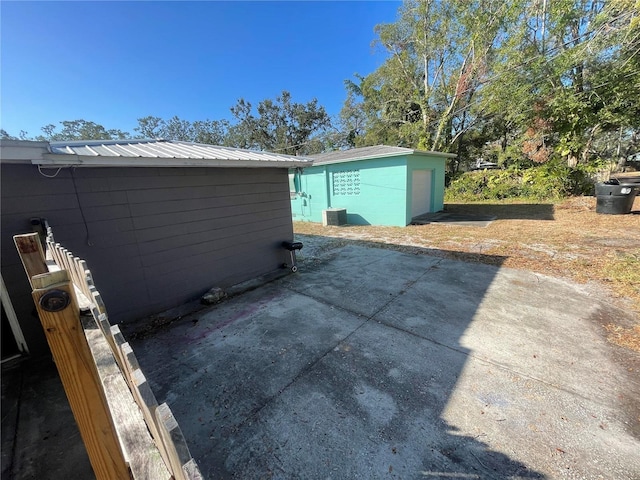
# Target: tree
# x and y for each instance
(527, 80)
(213, 132)
(439, 53)
(280, 126)
(4, 135)
(80, 130)
(567, 75)
(150, 127)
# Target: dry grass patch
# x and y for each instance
(624, 337)
(567, 239)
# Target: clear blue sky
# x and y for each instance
(113, 62)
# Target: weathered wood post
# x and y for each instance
(31, 254)
(57, 307)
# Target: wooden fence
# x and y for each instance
(126, 433)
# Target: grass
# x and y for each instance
(565, 239)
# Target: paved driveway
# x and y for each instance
(370, 363)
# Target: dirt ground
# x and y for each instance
(567, 239)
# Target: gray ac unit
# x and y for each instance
(334, 216)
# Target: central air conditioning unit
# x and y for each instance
(334, 217)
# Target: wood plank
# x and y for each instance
(148, 404)
(73, 266)
(31, 254)
(103, 322)
(56, 254)
(118, 340)
(174, 442)
(130, 362)
(145, 460)
(64, 258)
(191, 471)
(80, 378)
(84, 273)
(97, 299)
(44, 280)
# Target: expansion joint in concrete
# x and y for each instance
(311, 365)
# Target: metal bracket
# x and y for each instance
(55, 300)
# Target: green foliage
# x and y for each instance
(439, 53)
(549, 181)
(80, 130)
(281, 126)
(522, 82)
(212, 132)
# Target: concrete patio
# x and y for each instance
(370, 363)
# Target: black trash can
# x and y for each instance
(615, 199)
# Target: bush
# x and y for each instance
(549, 181)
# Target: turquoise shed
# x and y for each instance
(380, 185)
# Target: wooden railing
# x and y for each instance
(126, 433)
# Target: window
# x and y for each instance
(346, 182)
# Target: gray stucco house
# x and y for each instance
(159, 222)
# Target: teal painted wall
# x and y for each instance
(381, 195)
(312, 198)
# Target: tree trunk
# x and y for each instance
(622, 159)
(587, 147)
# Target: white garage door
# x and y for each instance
(421, 192)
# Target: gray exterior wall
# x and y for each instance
(153, 237)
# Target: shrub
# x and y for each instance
(548, 181)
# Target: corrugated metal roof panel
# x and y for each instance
(171, 149)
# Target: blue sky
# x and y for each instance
(114, 62)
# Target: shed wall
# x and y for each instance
(382, 191)
(381, 198)
(313, 198)
(153, 237)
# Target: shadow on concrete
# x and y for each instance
(392, 362)
(528, 211)
(344, 370)
(40, 438)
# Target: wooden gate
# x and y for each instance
(126, 433)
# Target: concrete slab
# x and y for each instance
(371, 363)
(360, 280)
(40, 438)
(454, 218)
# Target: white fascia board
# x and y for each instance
(60, 160)
(15, 151)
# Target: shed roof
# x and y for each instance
(149, 153)
(377, 151)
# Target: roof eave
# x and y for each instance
(22, 151)
(61, 160)
(318, 162)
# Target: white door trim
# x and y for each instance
(13, 319)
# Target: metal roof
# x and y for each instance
(161, 152)
(377, 151)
